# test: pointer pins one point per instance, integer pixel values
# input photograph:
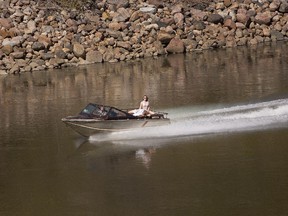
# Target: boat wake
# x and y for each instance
(187, 121)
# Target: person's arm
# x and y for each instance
(148, 107)
(141, 105)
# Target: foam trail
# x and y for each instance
(256, 116)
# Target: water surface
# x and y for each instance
(225, 152)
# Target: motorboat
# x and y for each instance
(97, 118)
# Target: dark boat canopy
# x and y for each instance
(96, 111)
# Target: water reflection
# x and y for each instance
(218, 70)
(218, 76)
(45, 167)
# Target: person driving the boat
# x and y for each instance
(102, 111)
(144, 108)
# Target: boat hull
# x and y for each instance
(90, 127)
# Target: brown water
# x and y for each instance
(225, 152)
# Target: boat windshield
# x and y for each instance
(104, 112)
(88, 109)
(116, 114)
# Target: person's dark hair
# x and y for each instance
(146, 97)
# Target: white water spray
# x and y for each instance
(188, 122)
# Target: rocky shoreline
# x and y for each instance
(39, 35)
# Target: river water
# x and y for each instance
(224, 153)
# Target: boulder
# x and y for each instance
(215, 18)
(263, 18)
(108, 55)
(6, 23)
(56, 62)
(7, 49)
(199, 25)
(116, 26)
(157, 3)
(230, 24)
(198, 14)
(31, 27)
(164, 37)
(176, 45)
(276, 35)
(242, 18)
(59, 53)
(15, 41)
(283, 7)
(47, 56)
(94, 57)
(78, 50)
(18, 55)
(45, 40)
(37, 46)
(176, 9)
(3, 72)
(119, 3)
(151, 10)
(227, 3)
(121, 15)
(159, 48)
(124, 44)
(179, 18)
(15, 69)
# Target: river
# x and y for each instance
(224, 153)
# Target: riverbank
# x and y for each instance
(37, 35)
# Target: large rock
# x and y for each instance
(151, 10)
(176, 9)
(124, 44)
(230, 24)
(114, 34)
(37, 46)
(7, 49)
(78, 50)
(18, 55)
(56, 62)
(276, 35)
(94, 57)
(179, 18)
(3, 72)
(284, 7)
(242, 17)
(119, 3)
(263, 18)
(190, 44)
(159, 48)
(135, 16)
(15, 41)
(6, 23)
(47, 56)
(108, 55)
(176, 45)
(198, 14)
(199, 25)
(157, 3)
(59, 53)
(274, 5)
(151, 27)
(45, 40)
(31, 27)
(121, 15)
(164, 37)
(215, 18)
(116, 26)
